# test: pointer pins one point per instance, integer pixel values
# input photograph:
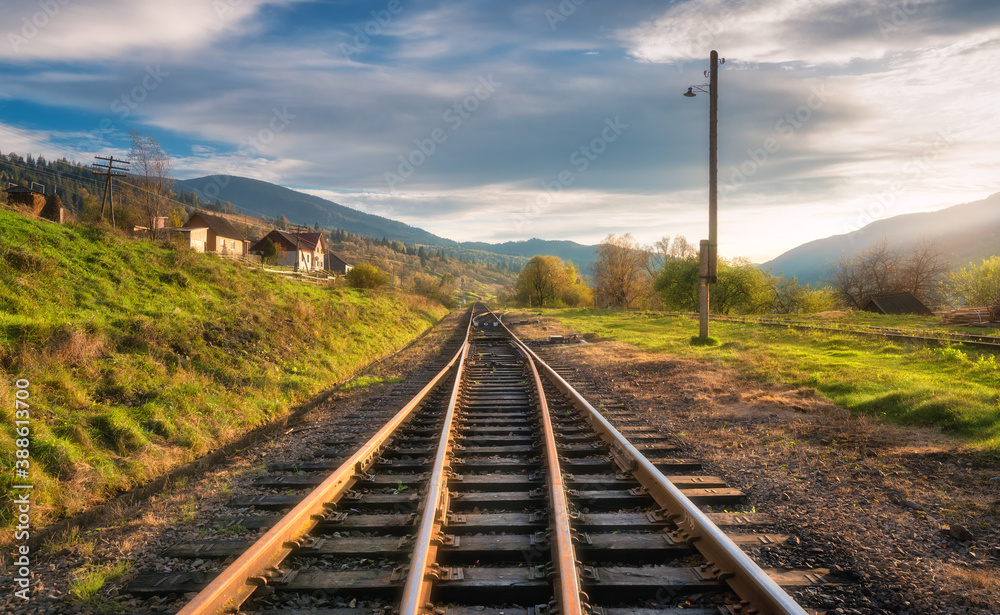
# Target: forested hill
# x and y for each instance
(260, 198)
(70, 180)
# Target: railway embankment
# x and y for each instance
(128, 358)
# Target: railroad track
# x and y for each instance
(990, 342)
(496, 490)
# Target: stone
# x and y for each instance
(960, 533)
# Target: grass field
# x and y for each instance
(953, 387)
(141, 356)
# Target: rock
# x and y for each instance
(785, 497)
(960, 533)
(912, 505)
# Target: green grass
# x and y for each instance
(89, 580)
(954, 388)
(142, 356)
(362, 382)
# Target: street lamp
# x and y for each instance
(709, 249)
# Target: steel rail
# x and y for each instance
(419, 580)
(260, 562)
(568, 592)
(726, 560)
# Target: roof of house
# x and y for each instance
(220, 226)
(306, 241)
(899, 303)
(333, 259)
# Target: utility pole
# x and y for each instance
(110, 170)
(709, 252)
(297, 229)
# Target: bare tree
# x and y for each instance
(924, 272)
(881, 269)
(620, 274)
(150, 167)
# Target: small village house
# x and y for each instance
(206, 233)
(307, 249)
(337, 265)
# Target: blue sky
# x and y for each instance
(560, 119)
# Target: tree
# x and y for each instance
(977, 285)
(742, 288)
(268, 250)
(884, 270)
(677, 284)
(366, 275)
(543, 279)
(620, 275)
(576, 292)
(150, 167)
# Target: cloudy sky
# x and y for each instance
(559, 119)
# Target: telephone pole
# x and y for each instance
(297, 229)
(109, 170)
(709, 250)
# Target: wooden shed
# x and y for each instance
(35, 203)
(899, 303)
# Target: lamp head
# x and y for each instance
(690, 93)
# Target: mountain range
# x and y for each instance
(260, 198)
(966, 233)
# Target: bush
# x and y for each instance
(366, 275)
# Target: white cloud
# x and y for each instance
(76, 30)
(776, 31)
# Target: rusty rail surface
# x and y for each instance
(419, 581)
(727, 561)
(569, 596)
(507, 382)
(252, 569)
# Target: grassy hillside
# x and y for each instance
(953, 388)
(141, 356)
